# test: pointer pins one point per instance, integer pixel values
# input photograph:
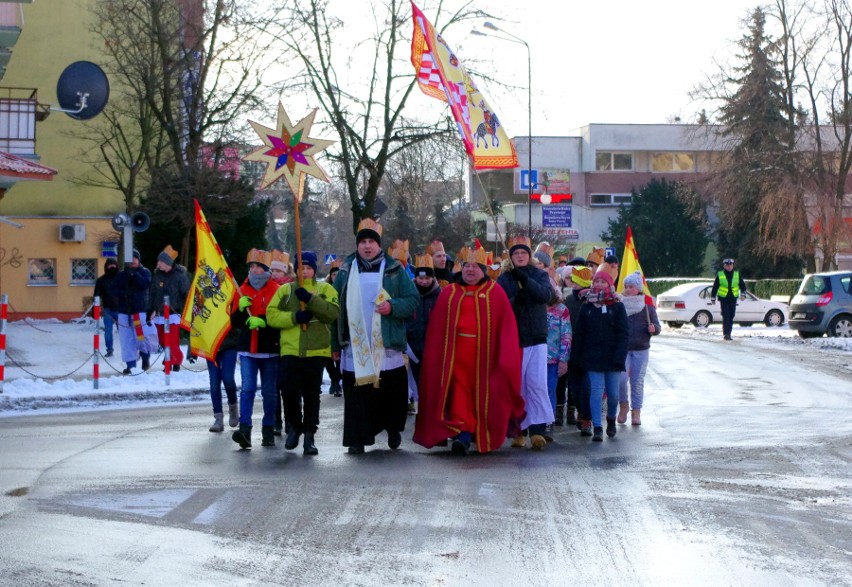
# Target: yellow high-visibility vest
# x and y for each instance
(723, 285)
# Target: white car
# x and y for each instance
(690, 302)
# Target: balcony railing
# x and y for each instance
(19, 111)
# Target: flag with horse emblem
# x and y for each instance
(207, 313)
(441, 75)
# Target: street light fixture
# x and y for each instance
(513, 39)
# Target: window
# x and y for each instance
(673, 162)
(42, 271)
(608, 161)
(610, 199)
(84, 271)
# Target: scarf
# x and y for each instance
(258, 281)
(372, 265)
(600, 297)
(633, 304)
(368, 351)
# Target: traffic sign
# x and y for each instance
(109, 249)
(525, 175)
(329, 259)
(609, 251)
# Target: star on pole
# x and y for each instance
(289, 152)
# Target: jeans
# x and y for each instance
(223, 373)
(109, 328)
(249, 368)
(600, 381)
(637, 364)
(552, 379)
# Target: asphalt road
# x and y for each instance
(739, 475)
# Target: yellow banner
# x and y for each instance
(630, 264)
(441, 75)
(207, 314)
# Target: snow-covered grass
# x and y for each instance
(49, 367)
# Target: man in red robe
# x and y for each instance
(470, 378)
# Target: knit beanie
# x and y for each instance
(605, 276)
(634, 279)
(309, 258)
(168, 256)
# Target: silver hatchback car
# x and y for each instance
(823, 305)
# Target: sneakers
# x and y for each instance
(538, 442)
(233, 415)
(598, 435)
(218, 424)
(335, 390)
(610, 427)
(394, 440)
(585, 427)
(623, 408)
(412, 408)
(108, 353)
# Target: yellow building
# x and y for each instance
(56, 233)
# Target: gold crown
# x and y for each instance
(523, 241)
(424, 261)
(370, 224)
(468, 255)
(399, 250)
(546, 248)
(280, 256)
(596, 256)
(582, 276)
(434, 247)
(336, 264)
(170, 252)
(259, 256)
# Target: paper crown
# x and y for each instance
(424, 261)
(280, 260)
(259, 256)
(478, 255)
(170, 252)
(370, 224)
(434, 247)
(399, 250)
(520, 241)
(582, 276)
(336, 264)
(545, 248)
(596, 256)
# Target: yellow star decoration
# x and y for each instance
(288, 152)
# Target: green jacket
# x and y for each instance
(404, 301)
(281, 314)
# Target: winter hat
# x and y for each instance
(611, 259)
(424, 266)
(168, 256)
(369, 228)
(634, 279)
(544, 253)
(577, 261)
(309, 258)
(605, 276)
(110, 262)
(582, 276)
(520, 242)
(136, 254)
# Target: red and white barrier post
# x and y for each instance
(4, 314)
(167, 339)
(96, 367)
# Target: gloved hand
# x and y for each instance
(255, 322)
(245, 302)
(304, 316)
(519, 276)
(303, 295)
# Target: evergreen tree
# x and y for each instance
(755, 119)
(669, 226)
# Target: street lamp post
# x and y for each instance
(513, 39)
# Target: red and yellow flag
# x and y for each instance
(630, 264)
(207, 313)
(440, 74)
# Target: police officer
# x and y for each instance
(728, 287)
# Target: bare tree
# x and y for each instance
(369, 115)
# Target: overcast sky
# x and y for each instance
(619, 61)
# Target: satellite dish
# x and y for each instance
(82, 90)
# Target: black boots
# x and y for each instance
(242, 436)
(610, 427)
(146, 361)
(267, 436)
(560, 411)
(308, 444)
(394, 440)
(292, 438)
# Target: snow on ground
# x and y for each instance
(49, 366)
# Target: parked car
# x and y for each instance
(690, 302)
(823, 305)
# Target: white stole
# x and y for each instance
(368, 348)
